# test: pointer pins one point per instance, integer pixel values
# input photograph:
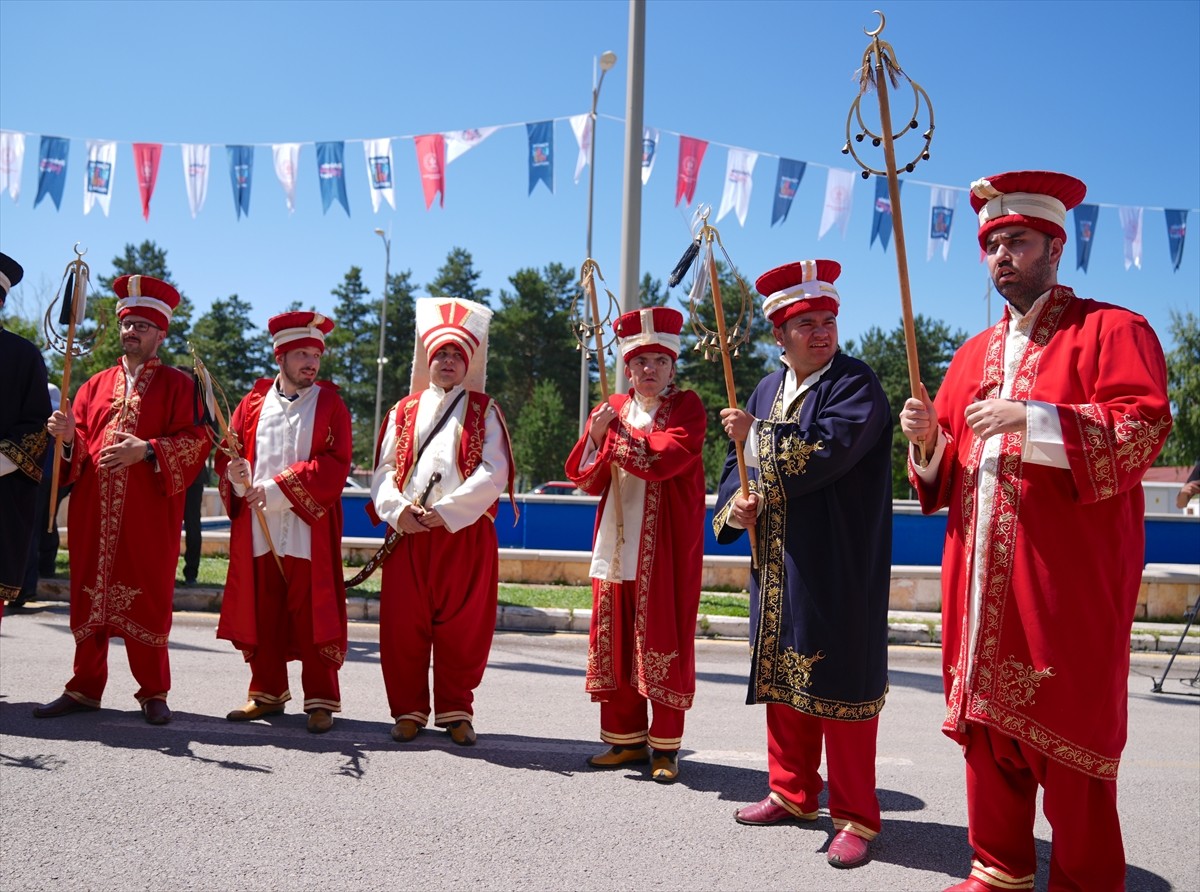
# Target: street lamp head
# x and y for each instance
(607, 60)
(379, 232)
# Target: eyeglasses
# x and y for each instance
(139, 327)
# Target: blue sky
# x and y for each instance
(1107, 91)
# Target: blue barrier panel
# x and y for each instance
(565, 523)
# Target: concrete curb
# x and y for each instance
(904, 627)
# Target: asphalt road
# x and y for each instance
(103, 801)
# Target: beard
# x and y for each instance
(300, 383)
(1026, 286)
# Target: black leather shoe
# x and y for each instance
(156, 712)
(64, 705)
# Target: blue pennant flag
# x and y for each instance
(541, 154)
(332, 172)
(1086, 216)
(881, 223)
(52, 169)
(1176, 233)
(787, 181)
(241, 167)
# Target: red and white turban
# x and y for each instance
(648, 330)
(1038, 199)
(303, 328)
(152, 299)
(801, 287)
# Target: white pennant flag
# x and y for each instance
(649, 152)
(941, 215)
(12, 159)
(581, 126)
(459, 141)
(287, 160)
(195, 175)
(739, 180)
(1131, 228)
(839, 189)
(98, 178)
(379, 171)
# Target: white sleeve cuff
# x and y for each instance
(1043, 443)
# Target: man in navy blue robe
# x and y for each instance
(817, 439)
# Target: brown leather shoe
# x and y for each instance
(620, 756)
(767, 812)
(319, 721)
(156, 712)
(848, 850)
(664, 766)
(254, 710)
(64, 705)
(405, 730)
(462, 733)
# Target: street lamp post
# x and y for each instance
(607, 60)
(380, 359)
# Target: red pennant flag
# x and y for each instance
(431, 159)
(145, 159)
(691, 153)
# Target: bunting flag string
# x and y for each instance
(881, 222)
(436, 151)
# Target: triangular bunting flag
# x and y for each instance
(97, 188)
(146, 156)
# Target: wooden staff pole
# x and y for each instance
(234, 451)
(615, 490)
(889, 155)
(78, 292)
(730, 394)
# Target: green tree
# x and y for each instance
(541, 430)
(399, 341)
(884, 352)
(1183, 388)
(457, 278)
(650, 292)
(531, 342)
(350, 356)
(234, 350)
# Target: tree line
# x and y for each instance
(533, 361)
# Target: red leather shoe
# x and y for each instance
(64, 705)
(156, 712)
(768, 811)
(848, 850)
(970, 884)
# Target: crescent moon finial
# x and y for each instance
(879, 30)
(78, 252)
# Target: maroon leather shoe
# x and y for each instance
(64, 705)
(156, 712)
(768, 811)
(848, 850)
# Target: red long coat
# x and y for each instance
(1065, 547)
(314, 489)
(125, 524)
(670, 550)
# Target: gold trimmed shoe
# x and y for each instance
(320, 720)
(664, 767)
(405, 730)
(254, 710)
(620, 756)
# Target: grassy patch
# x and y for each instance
(572, 597)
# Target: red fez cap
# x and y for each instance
(304, 328)
(1038, 199)
(649, 330)
(801, 287)
(148, 297)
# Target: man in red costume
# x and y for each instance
(818, 442)
(131, 449)
(442, 461)
(1042, 428)
(642, 454)
(296, 453)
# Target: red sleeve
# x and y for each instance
(659, 454)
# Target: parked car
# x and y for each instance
(556, 488)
